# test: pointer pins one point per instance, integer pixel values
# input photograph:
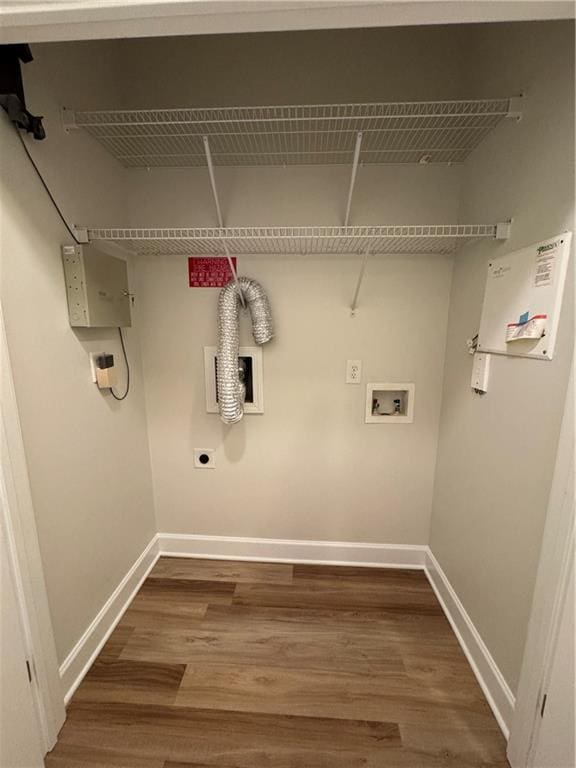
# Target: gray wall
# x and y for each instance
(363, 481)
(87, 454)
(312, 67)
(496, 452)
(309, 468)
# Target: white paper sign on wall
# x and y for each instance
(523, 298)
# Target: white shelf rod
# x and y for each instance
(353, 176)
(359, 283)
(355, 162)
(219, 215)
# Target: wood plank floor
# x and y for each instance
(259, 665)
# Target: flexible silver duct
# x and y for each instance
(231, 391)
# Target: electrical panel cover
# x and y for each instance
(96, 287)
(523, 298)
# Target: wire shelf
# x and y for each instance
(426, 239)
(398, 132)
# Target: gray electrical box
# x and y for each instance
(96, 287)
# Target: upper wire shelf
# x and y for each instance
(425, 239)
(396, 132)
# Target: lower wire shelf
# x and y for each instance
(405, 239)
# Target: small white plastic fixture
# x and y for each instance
(480, 372)
(255, 399)
(389, 403)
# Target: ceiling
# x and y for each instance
(53, 20)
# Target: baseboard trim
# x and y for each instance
(288, 551)
(417, 556)
(495, 688)
(81, 657)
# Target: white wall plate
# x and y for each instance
(204, 458)
(253, 405)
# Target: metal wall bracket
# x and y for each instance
(503, 230)
(68, 117)
(515, 107)
(81, 234)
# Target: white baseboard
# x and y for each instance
(491, 680)
(495, 688)
(81, 657)
(287, 551)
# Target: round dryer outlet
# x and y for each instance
(204, 458)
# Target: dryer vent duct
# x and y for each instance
(231, 391)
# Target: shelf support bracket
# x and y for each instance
(515, 107)
(81, 234)
(219, 215)
(503, 230)
(353, 176)
(354, 304)
(68, 117)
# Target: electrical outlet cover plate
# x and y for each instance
(353, 371)
(204, 458)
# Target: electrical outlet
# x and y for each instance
(204, 458)
(353, 371)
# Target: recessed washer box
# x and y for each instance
(389, 403)
(96, 288)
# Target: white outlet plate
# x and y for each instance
(353, 371)
(200, 452)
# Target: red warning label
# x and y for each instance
(209, 271)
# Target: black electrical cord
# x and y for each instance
(54, 203)
(71, 231)
(125, 395)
